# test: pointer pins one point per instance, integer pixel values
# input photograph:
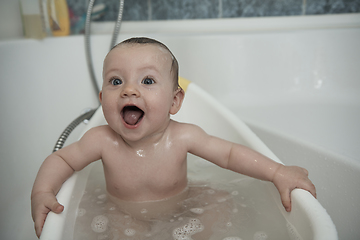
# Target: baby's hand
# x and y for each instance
(287, 178)
(41, 205)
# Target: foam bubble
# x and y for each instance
(260, 236)
(197, 210)
(81, 212)
(129, 232)
(232, 238)
(229, 224)
(99, 223)
(235, 193)
(185, 232)
(211, 191)
(102, 196)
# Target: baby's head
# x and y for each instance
(143, 41)
(140, 87)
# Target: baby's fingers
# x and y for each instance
(41, 209)
(39, 219)
(39, 224)
(286, 200)
(55, 206)
(310, 187)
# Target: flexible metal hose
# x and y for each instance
(88, 48)
(88, 43)
(86, 116)
(117, 25)
(65, 134)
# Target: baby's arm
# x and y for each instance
(246, 161)
(52, 173)
(57, 168)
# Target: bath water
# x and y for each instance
(220, 205)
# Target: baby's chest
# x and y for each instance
(148, 171)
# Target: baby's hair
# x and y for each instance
(144, 40)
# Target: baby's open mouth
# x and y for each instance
(132, 114)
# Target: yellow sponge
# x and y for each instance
(184, 83)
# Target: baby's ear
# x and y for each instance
(177, 101)
(100, 96)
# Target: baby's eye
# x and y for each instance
(148, 81)
(116, 81)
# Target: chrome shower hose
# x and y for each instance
(86, 116)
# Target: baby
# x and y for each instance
(143, 151)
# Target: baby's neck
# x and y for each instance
(150, 141)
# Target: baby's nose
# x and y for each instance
(130, 91)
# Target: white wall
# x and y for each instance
(10, 20)
(38, 99)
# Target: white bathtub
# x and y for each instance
(309, 218)
(247, 64)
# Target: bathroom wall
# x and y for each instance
(147, 10)
(142, 10)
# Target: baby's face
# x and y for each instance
(138, 91)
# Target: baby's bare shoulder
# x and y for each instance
(99, 133)
(180, 126)
(186, 130)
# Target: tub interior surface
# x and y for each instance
(336, 177)
(332, 126)
(254, 212)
